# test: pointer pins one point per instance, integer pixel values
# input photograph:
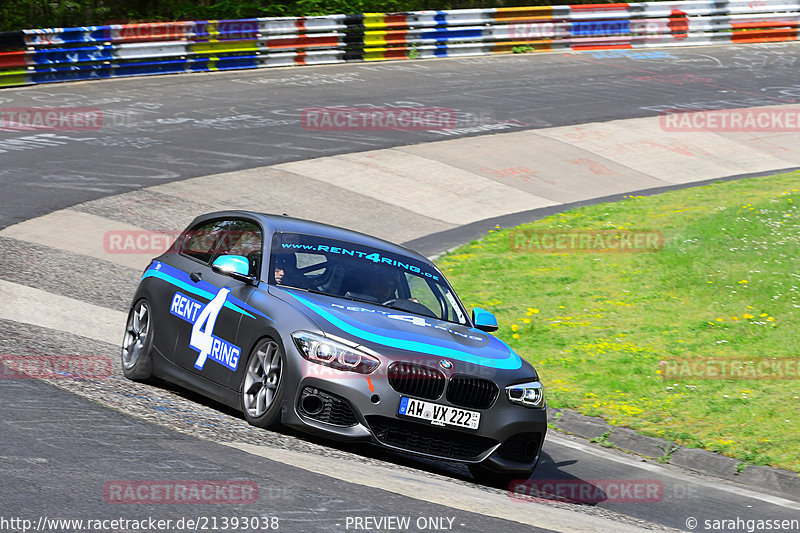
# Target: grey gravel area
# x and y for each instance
(147, 209)
(68, 274)
(191, 414)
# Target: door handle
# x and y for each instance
(196, 276)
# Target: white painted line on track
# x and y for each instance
(443, 492)
(637, 463)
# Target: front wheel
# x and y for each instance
(263, 385)
(137, 344)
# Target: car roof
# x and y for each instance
(285, 224)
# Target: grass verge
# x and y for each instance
(600, 327)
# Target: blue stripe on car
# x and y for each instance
(512, 361)
(179, 278)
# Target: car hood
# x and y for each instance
(380, 328)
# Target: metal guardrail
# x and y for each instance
(94, 52)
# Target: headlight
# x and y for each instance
(529, 394)
(323, 351)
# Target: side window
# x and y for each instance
(201, 241)
(243, 238)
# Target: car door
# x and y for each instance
(212, 312)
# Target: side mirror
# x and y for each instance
(235, 266)
(484, 320)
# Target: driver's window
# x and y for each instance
(201, 241)
(243, 238)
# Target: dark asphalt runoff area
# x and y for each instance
(58, 451)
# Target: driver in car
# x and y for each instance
(286, 271)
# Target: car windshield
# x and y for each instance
(364, 274)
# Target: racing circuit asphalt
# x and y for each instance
(176, 127)
(61, 441)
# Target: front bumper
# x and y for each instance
(508, 440)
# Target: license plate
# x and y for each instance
(439, 415)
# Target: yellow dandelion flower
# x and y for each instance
(719, 320)
(743, 281)
(514, 327)
(762, 315)
(734, 318)
(535, 311)
(770, 319)
(747, 316)
(515, 335)
(526, 320)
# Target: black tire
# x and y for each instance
(263, 385)
(137, 343)
(489, 477)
